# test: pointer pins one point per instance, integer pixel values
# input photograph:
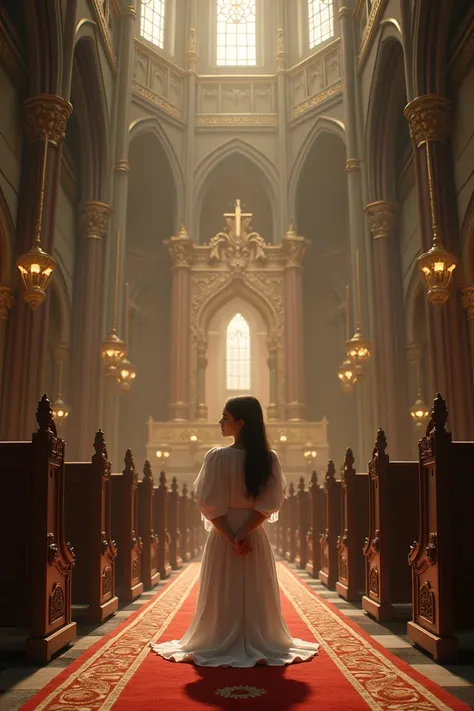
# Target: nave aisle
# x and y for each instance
(354, 670)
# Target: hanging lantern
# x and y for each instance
(419, 412)
(347, 376)
(113, 351)
(61, 410)
(126, 375)
(358, 349)
(437, 267)
(36, 266)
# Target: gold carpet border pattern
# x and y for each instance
(382, 685)
(96, 684)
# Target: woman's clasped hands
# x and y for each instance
(242, 544)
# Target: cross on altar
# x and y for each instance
(237, 216)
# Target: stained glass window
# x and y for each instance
(238, 354)
(152, 21)
(321, 21)
(236, 33)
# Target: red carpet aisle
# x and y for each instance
(351, 673)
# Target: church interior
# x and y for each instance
(206, 198)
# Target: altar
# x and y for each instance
(237, 328)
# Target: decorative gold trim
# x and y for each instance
(46, 117)
(352, 165)
(136, 637)
(96, 217)
(317, 100)
(237, 120)
(156, 100)
(429, 118)
(123, 165)
(104, 31)
(354, 656)
(381, 216)
(378, 8)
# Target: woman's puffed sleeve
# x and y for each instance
(271, 499)
(211, 487)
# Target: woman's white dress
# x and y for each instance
(238, 619)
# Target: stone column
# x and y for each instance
(85, 372)
(180, 248)
(390, 362)
(46, 117)
(110, 400)
(272, 409)
(192, 59)
(357, 227)
(294, 248)
(281, 59)
(6, 302)
(201, 380)
(430, 122)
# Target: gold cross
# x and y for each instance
(237, 215)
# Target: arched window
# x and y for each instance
(238, 354)
(321, 21)
(152, 21)
(236, 33)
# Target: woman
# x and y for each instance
(238, 620)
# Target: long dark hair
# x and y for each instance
(258, 456)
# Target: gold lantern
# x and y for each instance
(127, 371)
(437, 265)
(419, 411)
(346, 371)
(358, 349)
(61, 410)
(36, 266)
(113, 348)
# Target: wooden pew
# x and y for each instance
(184, 524)
(316, 526)
(194, 523)
(393, 525)
(35, 577)
(146, 529)
(292, 520)
(173, 525)
(303, 504)
(125, 532)
(442, 560)
(354, 528)
(332, 526)
(160, 520)
(283, 520)
(88, 525)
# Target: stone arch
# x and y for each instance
(384, 116)
(91, 113)
(7, 239)
(237, 288)
(262, 164)
(323, 124)
(430, 46)
(152, 125)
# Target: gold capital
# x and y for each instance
(96, 216)
(381, 216)
(46, 116)
(468, 300)
(429, 118)
(294, 247)
(6, 300)
(352, 165)
(180, 247)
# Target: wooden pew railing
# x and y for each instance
(354, 527)
(36, 570)
(128, 579)
(160, 519)
(292, 521)
(316, 526)
(184, 527)
(301, 533)
(332, 526)
(88, 526)
(441, 560)
(393, 525)
(146, 529)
